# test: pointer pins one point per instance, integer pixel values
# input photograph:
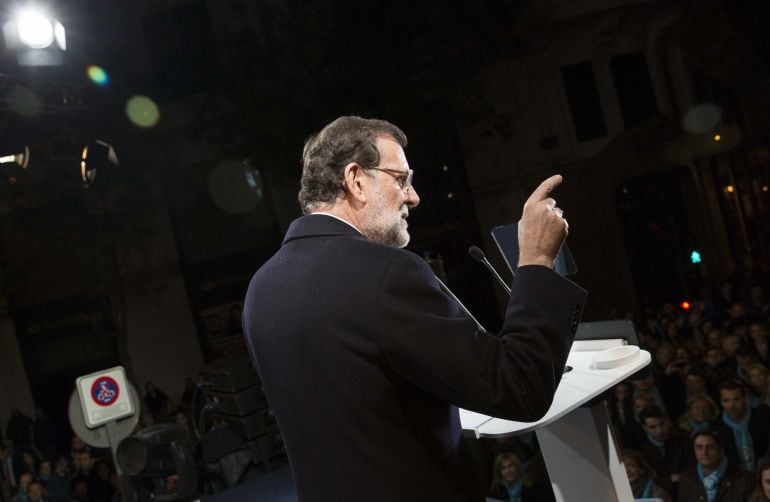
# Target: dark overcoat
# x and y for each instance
(364, 361)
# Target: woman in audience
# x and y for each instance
(644, 484)
(509, 481)
(700, 415)
(762, 489)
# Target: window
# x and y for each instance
(633, 85)
(583, 98)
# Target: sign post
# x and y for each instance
(109, 411)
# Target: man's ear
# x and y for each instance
(354, 184)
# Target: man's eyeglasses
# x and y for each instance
(403, 178)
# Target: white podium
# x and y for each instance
(575, 435)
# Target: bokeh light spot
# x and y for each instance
(24, 102)
(702, 118)
(98, 75)
(142, 111)
(235, 187)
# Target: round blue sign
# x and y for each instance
(105, 391)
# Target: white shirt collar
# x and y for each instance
(338, 218)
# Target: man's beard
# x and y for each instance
(391, 233)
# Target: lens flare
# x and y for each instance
(98, 75)
(142, 111)
(235, 187)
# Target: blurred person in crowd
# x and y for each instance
(639, 403)
(718, 367)
(649, 340)
(644, 482)
(25, 479)
(7, 473)
(183, 422)
(187, 395)
(44, 434)
(155, 399)
(146, 419)
(664, 355)
(744, 358)
(745, 431)
(714, 339)
(645, 386)
(510, 481)
(737, 312)
(758, 332)
(76, 446)
(673, 334)
(714, 478)
(726, 297)
(762, 485)
(693, 326)
(702, 414)
(44, 471)
(85, 466)
(695, 384)
(730, 344)
(759, 382)
(58, 485)
(35, 491)
(621, 411)
(19, 430)
(28, 463)
(99, 485)
(665, 451)
(757, 302)
(80, 491)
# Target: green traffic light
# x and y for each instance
(695, 257)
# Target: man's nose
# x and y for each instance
(411, 199)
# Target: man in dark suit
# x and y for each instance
(364, 359)
(745, 431)
(714, 476)
(664, 449)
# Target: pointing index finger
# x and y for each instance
(545, 188)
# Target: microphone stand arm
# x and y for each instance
(446, 290)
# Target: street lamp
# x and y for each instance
(37, 39)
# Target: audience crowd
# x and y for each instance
(694, 426)
(34, 467)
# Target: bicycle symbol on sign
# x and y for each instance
(105, 391)
(105, 394)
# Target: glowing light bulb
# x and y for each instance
(35, 30)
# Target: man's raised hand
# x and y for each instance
(542, 228)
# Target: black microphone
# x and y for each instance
(479, 255)
(448, 291)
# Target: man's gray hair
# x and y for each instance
(346, 140)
